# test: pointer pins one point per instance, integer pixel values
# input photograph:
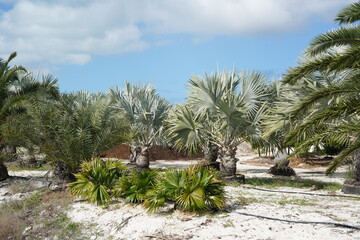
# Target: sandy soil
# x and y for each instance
(123, 221)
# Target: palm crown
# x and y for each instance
(222, 109)
(335, 52)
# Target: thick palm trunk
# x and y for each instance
(143, 161)
(211, 152)
(3, 171)
(134, 154)
(62, 173)
(228, 160)
(352, 186)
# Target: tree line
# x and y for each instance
(315, 104)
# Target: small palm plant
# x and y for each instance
(134, 186)
(193, 189)
(97, 179)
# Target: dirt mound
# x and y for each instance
(156, 153)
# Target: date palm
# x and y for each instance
(224, 109)
(280, 116)
(74, 129)
(16, 88)
(336, 52)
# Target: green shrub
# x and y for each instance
(193, 189)
(135, 185)
(97, 179)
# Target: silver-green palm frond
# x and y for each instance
(184, 129)
(144, 109)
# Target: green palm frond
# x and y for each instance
(184, 129)
(349, 151)
(97, 180)
(319, 64)
(134, 186)
(349, 14)
(144, 109)
(348, 36)
(193, 189)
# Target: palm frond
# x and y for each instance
(348, 36)
(349, 14)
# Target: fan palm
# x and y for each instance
(97, 179)
(134, 186)
(335, 52)
(17, 87)
(223, 109)
(193, 189)
(145, 110)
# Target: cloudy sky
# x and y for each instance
(98, 44)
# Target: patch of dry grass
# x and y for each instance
(11, 225)
(39, 216)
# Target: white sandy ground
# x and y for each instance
(112, 223)
(124, 221)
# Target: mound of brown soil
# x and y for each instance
(156, 153)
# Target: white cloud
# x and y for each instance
(73, 31)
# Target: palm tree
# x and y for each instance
(17, 87)
(145, 110)
(334, 52)
(280, 118)
(75, 129)
(223, 109)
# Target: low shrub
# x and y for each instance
(97, 179)
(193, 189)
(196, 188)
(134, 186)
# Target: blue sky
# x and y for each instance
(97, 44)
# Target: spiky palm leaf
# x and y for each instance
(193, 189)
(74, 129)
(337, 121)
(16, 88)
(97, 179)
(223, 109)
(134, 186)
(144, 109)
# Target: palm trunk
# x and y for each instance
(143, 161)
(357, 166)
(211, 152)
(62, 173)
(228, 160)
(134, 154)
(3, 171)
